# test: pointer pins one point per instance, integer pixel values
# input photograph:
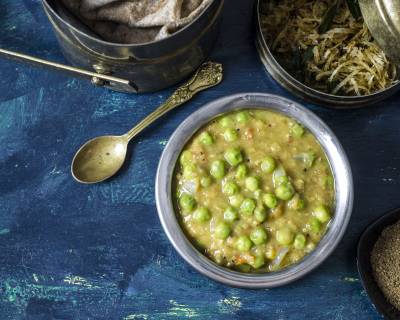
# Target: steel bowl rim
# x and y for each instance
(341, 168)
(127, 45)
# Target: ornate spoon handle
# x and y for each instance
(208, 75)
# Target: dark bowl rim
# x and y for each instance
(367, 239)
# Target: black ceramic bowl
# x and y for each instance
(365, 245)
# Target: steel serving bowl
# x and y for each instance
(303, 91)
(148, 66)
(336, 157)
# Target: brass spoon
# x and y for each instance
(101, 158)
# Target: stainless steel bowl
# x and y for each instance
(303, 91)
(148, 66)
(337, 159)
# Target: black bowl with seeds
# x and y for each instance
(378, 262)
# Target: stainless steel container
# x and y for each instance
(384, 23)
(150, 66)
(383, 20)
(337, 159)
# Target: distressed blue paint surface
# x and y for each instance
(69, 251)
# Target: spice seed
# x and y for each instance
(385, 260)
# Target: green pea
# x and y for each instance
(258, 235)
(230, 188)
(187, 202)
(206, 181)
(260, 214)
(243, 243)
(270, 200)
(278, 174)
(268, 165)
(322, 214)
(241, 171)
(252, 183)
(230, 135)
(296, 203)
(282, 180)
(236, 200)
(247, 207)
(189, 170)
(226, 122)
(201, 214)
(233, 156)
(284, 191)
(299, 241)
(217, 169)
(222, 230)
(284, 236)
(315, 225)
(259, 261)
(206, 138)
(186, 157)
(230, 214)
(242, 117)
(297, 130)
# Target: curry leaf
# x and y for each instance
(328, 18)
(354, 8)
(297, 59)
(308, 54)
(298, 65)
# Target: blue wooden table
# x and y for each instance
(70, 251)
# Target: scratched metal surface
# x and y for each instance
(69, 251)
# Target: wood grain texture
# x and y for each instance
(69, 251)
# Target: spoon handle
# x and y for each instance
(208, 75)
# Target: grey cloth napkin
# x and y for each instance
(135, 21)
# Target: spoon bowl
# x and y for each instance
(99, 159)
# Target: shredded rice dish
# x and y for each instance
(326, 45)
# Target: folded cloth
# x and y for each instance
(136, 21)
